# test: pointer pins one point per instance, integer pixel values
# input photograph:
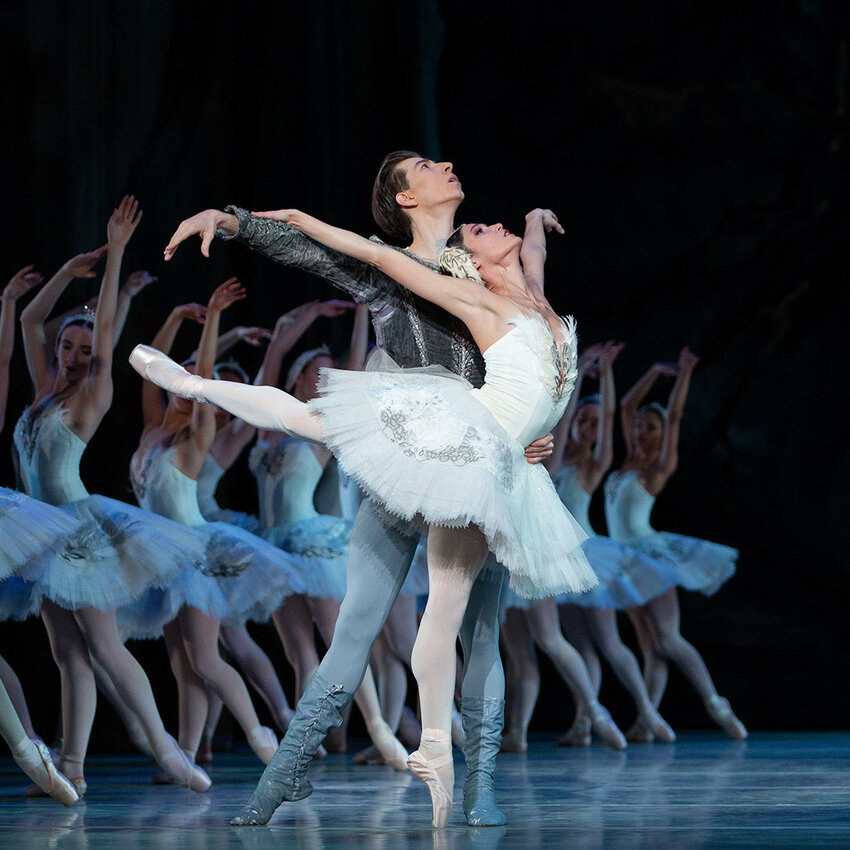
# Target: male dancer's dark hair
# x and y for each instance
(391, 180)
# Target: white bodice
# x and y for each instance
(575, 498)
(287, 476)
(627, 507)
(208, 479)
(163, 489)
(50, 453)
(529, 378)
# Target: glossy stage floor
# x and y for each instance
(774, 791)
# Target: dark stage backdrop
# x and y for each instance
(697, 155)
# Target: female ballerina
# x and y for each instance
(240, 572)
(424, 442)
(30, 530)
(651, 433)
(288, 472)
(583, 454)
(109, 563)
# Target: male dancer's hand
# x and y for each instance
(540, 449)
(204, 224)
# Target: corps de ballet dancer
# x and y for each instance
(30, 530)
(414, 200)
(238, 571)
(582, 456)
(108, 563)
(288, 472)
(394, 431)
(651, 433)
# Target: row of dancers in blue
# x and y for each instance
(100, 571)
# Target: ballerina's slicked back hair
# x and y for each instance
(391, 180)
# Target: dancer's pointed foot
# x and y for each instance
(263, 742)
(161, 370)
(39, 766)
(391, 749)
(658, 726)
(605, 727)
(369, 756)
(578, 735)
(721, 713)
(433, 764)
(640, 733)
(176, 766)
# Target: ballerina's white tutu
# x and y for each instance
(117, 551)
(236, 576)
(425, 442)
(694, 564)
(288, 474)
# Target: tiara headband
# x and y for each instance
(87, 317)
(230, 366)
(655, 407)
(301, 362)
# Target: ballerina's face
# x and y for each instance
(648, 432)
(489, 244)
(585, 424)
(74, 353)
(307, 383)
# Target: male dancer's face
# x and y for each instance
(429, 184)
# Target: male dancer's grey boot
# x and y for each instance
(483, 719)
(285, 776)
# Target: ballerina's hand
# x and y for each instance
(609, 353)
(253, 336)
(81, 265)
(687, 359)
(226, 294)
(193, 312)
(540, 449)
(123, 221)
(668, 369)
(22, 283)
(137, 281)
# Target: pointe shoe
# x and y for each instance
(54, 783)
(441, 797)
(390, 748)
(640, 733)
(177, 767)
(578, 735)
(721, 713)
(263, 742)
(164, 372)
(605, 727)
(659, 727)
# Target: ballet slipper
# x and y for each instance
(164, 372)
(721, 713)
(578, 735)
(391, 749)
(437, 772)
(605, 727)
(39, 766)
(263, 742)
(177, 767)
(659, 727)
(640, 733)
(513, 742)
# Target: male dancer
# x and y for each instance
(414, 199)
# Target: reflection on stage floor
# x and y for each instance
(773, 791)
